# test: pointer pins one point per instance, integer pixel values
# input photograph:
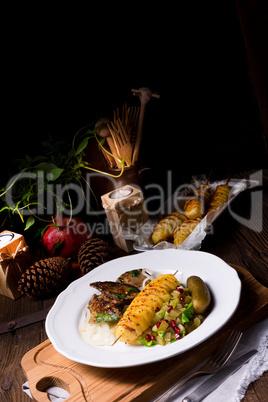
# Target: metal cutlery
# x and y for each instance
(23, 321)
(217, 379)
(213, 365)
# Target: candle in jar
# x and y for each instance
(5, 238)
(121, 193)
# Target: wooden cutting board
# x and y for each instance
(45, 367)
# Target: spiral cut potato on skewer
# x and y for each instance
(183, 231)
(203, 194)
(219, 197)
(196, 207)
(164, 229)
(138, 316)
(177, 226)
(192, 209)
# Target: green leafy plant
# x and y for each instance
(60, 163)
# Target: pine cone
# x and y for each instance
(45, 277)
(93, 253)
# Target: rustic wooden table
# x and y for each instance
(232, 240)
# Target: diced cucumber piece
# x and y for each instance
(160, 314)
(160, 340)
(163, 326)
(167, 337)
(174, 313)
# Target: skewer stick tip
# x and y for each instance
(117, 339)
(228, 178)
(209, 176)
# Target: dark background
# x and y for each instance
(63, 73)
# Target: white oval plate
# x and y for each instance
(62, 323)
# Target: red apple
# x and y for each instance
(64, 237)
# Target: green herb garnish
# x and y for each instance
(146, 343)
(132, 290)
(120, 295)
(109, 317)
(135, 273)
(188, 313)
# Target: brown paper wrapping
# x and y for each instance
(14, 260)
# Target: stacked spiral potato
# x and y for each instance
(177, 226)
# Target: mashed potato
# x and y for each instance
(99, 334)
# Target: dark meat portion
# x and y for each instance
(103, 308)
(116, 290)
(108, 306)
(133, 278)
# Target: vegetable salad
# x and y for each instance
(174, 320)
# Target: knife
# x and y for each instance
(216, 379)
(23, 321)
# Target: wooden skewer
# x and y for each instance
(112, 130)
(117, 339)
(124, 114)
(228, 178)
(127, 123)
(139, 134)
(133, 115)
(209, 176)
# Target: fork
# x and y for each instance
(214, 364)
(121, 140)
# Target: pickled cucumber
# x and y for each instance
(200, 294)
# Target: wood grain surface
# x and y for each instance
(44, 366)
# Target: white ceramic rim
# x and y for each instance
(63, 319)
